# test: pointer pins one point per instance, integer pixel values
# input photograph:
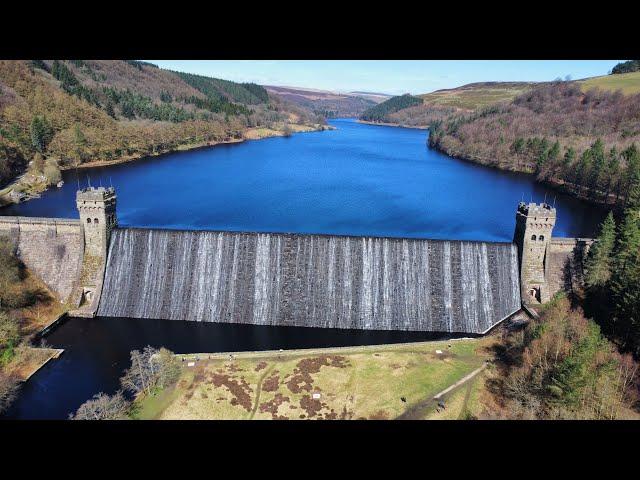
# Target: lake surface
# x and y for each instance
(357, 180)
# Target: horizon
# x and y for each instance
(390, 77)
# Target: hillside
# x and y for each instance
(628, 83)
(476, 95)
(441, 104)
(60, 114)
(328, 104)
(381, 112)
(582, 142)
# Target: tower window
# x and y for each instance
(533, 237)
(541, 238)
(95, 220)
(88, 220)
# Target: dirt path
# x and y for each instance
(467, 396)
(259, 389)
(420, 409)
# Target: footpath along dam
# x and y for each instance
(291, 279)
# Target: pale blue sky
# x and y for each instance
(388, 76)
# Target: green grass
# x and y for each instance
(477, 95)
(358, 382)
(628, 83)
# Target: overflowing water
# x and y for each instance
(310, 280)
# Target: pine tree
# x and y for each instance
(599, 260)
(599, 165)
(613, 170)
(625, 292)
(41, 133)
(109, 109)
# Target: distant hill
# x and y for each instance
(381, 112)
(326, 103)
(376, 97)
(627, 83)
(62, 113)
(442, 103)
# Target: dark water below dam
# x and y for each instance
(310, 280)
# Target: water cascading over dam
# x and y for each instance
(310, 280)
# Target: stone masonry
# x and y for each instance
(547, 264)
(51, 248)
(97, 209)
(68, 255)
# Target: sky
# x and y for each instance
(388, 76)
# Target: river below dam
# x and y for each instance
(359, 180)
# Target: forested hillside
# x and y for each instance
(56, 114)
(381, 112)
(584, 142)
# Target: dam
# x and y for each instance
(310, 280)
(297, 280)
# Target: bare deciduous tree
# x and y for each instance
(102, 407)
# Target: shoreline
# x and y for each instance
(254, 133)
(556, 185)
(401, 125)
(133, 158)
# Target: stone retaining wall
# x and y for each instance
(51, 248)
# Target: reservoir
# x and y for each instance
(355, 180)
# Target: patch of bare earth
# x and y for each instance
(261, 366)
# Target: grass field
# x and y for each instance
(629, 83)
(477, 95)
(382, 382)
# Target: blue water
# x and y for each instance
(358, 180)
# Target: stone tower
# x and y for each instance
(97, 207)
(534, 224)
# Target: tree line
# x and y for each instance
(626, 67)
(151, 371)
(613, 276)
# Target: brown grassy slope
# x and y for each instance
(442, 104)
(477, 95)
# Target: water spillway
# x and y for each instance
(310, 280)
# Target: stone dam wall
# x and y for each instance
(310, 280)
(51, 248)
(564, 263)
